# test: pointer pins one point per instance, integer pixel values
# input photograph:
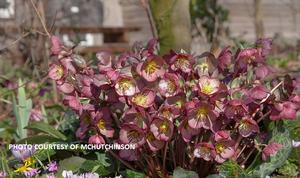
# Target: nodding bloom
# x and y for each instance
(224, 59)
(246, 57)
(247, 126)
(168, 112)
(131, 134)
(96, 139)
(130, 155)
(103, 122)
(57, 72)
(200, 115)
(264, 44)
(224, 146)
(125, 86)
(258, 92)
(208, 86)
(169, 86)
(285, 110)
(144, 99)
(270, 149)
(205, 151)
(177, 101)
(180, 61)
(56, 45)
(153, 143)
(52, 167)
(235, 109)
(152, 68)
(162, 129)
(132, 116)
(186, 131)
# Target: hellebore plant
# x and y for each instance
(177, 109)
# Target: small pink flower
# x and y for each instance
(169, 85)
(103, 122)
(52, 167)
(153, 143)
(96, 139)
(125, 86)
(56, 72)
(180, 61)
(205, 151)
(201, 115)
(152, 68)
(208, 86)
(56, 45)
(248, 126)
(285, 110)
(162, 129)
(131, 134)
(270, 149)
(144, 99)
(36, 114)
(186, 131)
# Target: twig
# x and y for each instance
(40, 18)
(14, 42)
(165, 156)
(145, 4)
(271, 92)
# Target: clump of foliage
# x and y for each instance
(210, 114)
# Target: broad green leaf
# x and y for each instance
(46, 128)
(231, 169)
(95, 166)
(182, 173)
(282, 137)
(288, 169)
(38, 139)
(70, 164)
(134, 174)
(22, 110)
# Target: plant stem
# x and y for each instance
(122, 161)
(165, 156)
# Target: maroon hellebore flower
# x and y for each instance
(224, 146)
(180, 61)
(169, 85)
(186, 131)
(153, 143)
(285, 110)
(103, 122)
(162, 129)
(96, 139)
(132, 116)
(56, 72)
(151, 69)
(131, 134)
(125, 86)
(201, 115)
(235, 108)
(270, 149)
(248, 126)
(130, 155)
(208, 86)
(56, 45)
(205, 151)
(144, 99)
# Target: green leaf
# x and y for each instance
(134, 174)
(288, 169)
(100, 166)
(231, 169)
(22, 110)
(214, 176)
(282, 137)
(38, 139)
(46, 128)
(182, 173)
(72, 164)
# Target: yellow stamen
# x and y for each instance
(151, 66)
(219, 148)
(207, 88)
(101, 124)
(163, 127)
(139, 99)
(202, 112)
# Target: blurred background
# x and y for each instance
(114, 25)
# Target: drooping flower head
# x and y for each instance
(200, 115)
(248, 126)
(186, 131)
(132, 116)
(208, 86)
(270, 149)
(153, 143)
(285, 110)
(235, 109)
(205, 151)
(162, 129)
(144, 99)
(224, 146)
(169, 85)
(96, 139)
(131, 134)
(125, 86)
(103, 122)
(151, 68)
